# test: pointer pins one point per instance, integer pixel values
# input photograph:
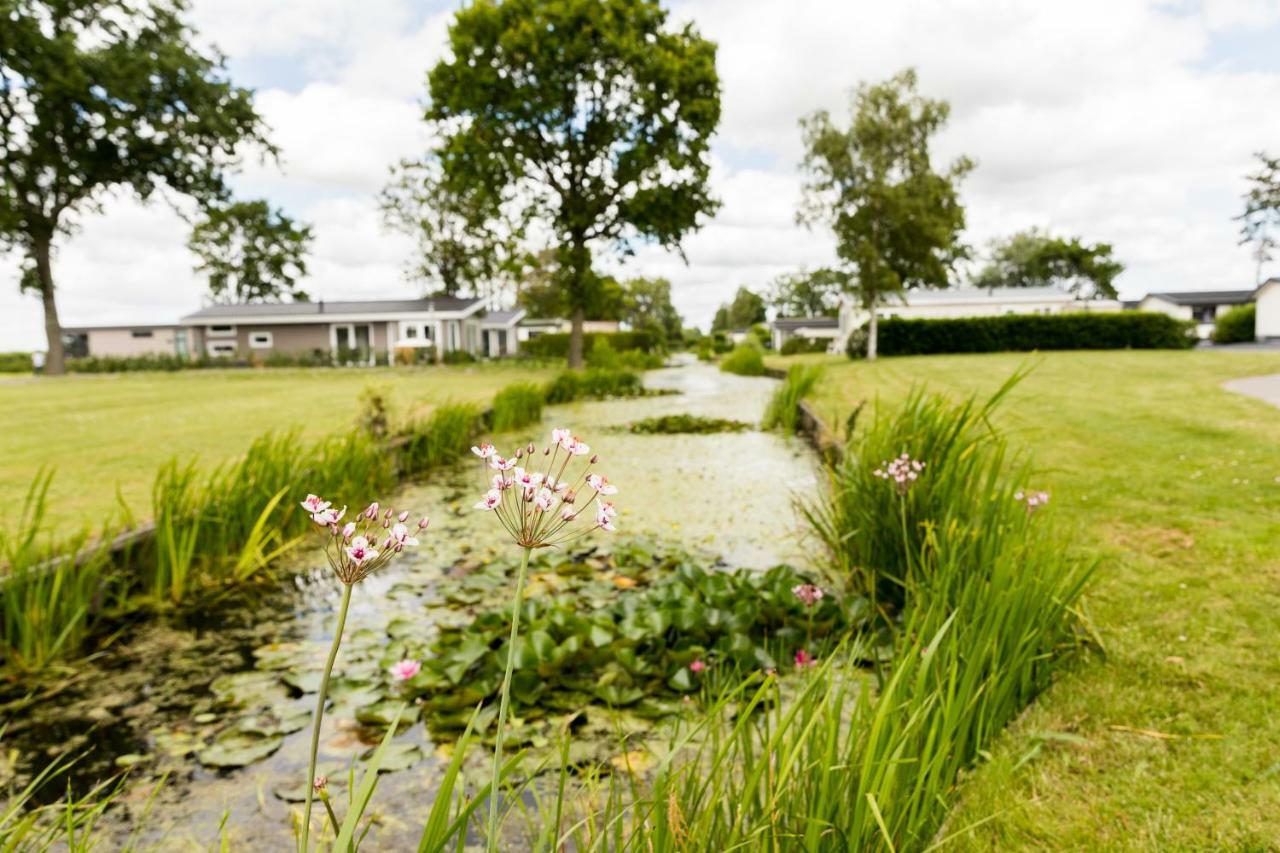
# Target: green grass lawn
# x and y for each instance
(1172, 739)
(103, 431)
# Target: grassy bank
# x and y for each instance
(100, 431)
(1172, 741)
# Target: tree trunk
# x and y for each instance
(575, 340)
(55, 358)
(580, 263)
(872, 331)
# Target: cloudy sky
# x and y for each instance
(1116, 120)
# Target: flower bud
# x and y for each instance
(422, 525)
(519, 453)
(404, 516)
(399, 547)
(530, 449)
(546, 451)
(595, 458)
(386, 523)
(320, 784)
(372, 510)
(390, 512)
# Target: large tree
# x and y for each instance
(896, 219)
(591, 115)
(463, 244)
(542, 295)
(1260, 222)
(103, 95)
(648, 308)
(250, 253)
(1033, 258)
(746, 309)
(809, 294)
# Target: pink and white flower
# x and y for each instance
(405, 669)
(528, 479)
(807, 593)
(360, 551)
(484, 451)
(697, 667)
(497, 463)
(349, 530)
(604, 517)
(329, 516)
(1033, 500)
(804, 659)
(601, 484)
(903, 471)
(400, 536)
(315, 504)
(561, 437)
(491, 500)
(545, 499)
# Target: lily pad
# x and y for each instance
(177, 744)
(399, 756)
(382, 713)
(250, 689)
(238, 749)
(307, 681)
(278, 721)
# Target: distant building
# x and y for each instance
(126, 341)
(783, 329)
(531, 327)
(1267, 321)
(1200, 306)
(967, 302)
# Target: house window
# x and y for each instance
(221, 331)
(222, 349)
(261, 340)
(141, 333)
(411, 332)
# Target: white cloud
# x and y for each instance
(1113, 119)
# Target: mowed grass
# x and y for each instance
(1171, 740)
(100, 432)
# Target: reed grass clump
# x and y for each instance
(441, 437)
(744, 360)
(595, 383)
(515, 406)
(783, 412)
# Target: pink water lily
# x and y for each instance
(601, 484)
(405, 669)
(315, 504)
(484, 451)
(697, 667)
(804, 659)
(491, 500)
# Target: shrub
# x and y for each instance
(442, 437)
(745, 360)
(15, 362)
(796, 345)
(784, 407)
(1024, 332)
(674, 424)
(1236, 325)
(602, 354)
(706, 350)
(593, 383)
(458, 356)
(516, 406)
(556, 344)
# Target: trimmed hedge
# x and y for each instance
(556, 344)
(15, 362)
(1236, 325)
(1024, 332)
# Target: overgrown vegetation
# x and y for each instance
(796, 344)
(516, 406)
(555, 345)
(593, 384)
(746, 359)
(783, 412)
(1026, 332)
(672, 424)
(1236, 325)
(15, 362)
(443, 436)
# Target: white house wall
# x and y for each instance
(1268, 311)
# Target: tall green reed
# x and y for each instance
(442, 437)
(783, 412)
(515, 406)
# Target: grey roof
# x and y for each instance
(806, 323)
(1206, 297)
(321, 307)
(983, 294)
(140, 327)
(502, 318)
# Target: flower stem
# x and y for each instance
(319, 716)
(491, 839)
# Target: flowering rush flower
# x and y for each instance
(362, 546)
(804, 659)
(550, 496)
(903, 471)
(807, 593)
(1033, 500)
(405, 669)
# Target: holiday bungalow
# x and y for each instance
(1203, 307)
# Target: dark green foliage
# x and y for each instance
(795, 345)
(593, 384)
(445, 435)
(621, 630)
(746, 309)
(130, 364)
(1035, 259)
(783, 412)
(745, 360)
(250, 252)
(556, 344)
(809, 294)
(458, 356)
(602, 354)
(516, 406)
(672, 424)
(1236, 325)
(15, 362)
(1026, 332)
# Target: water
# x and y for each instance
(147, 701)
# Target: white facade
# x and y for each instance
(1267, 300)
(968, 302)
(1203, 313)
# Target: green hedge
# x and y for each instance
(15, 362)
(1236, 325)
(556, 344)
(1023, 332)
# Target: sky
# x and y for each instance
(1127, 122)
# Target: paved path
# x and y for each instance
(1265, 388)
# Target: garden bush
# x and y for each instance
(556, 344)
(745, 360)
(1236, 325)
(458, 356)
(796, 345)
(593, 384)
(1025, 332)
(693, 424)
(441, 437)
(516, 406)
(15, 362)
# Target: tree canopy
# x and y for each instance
(1033, 258)
(746, 309)
(648, 307)
(896, 219)
(250, 252)
(809, 294)
(591, 115)
(101, 95)
(1260, 222)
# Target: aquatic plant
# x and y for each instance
(595, 383)
(516, 406)
(540, 509)
(354, 551)
(693, 424)
(441, 438)
(783, 412)
(746, 359)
